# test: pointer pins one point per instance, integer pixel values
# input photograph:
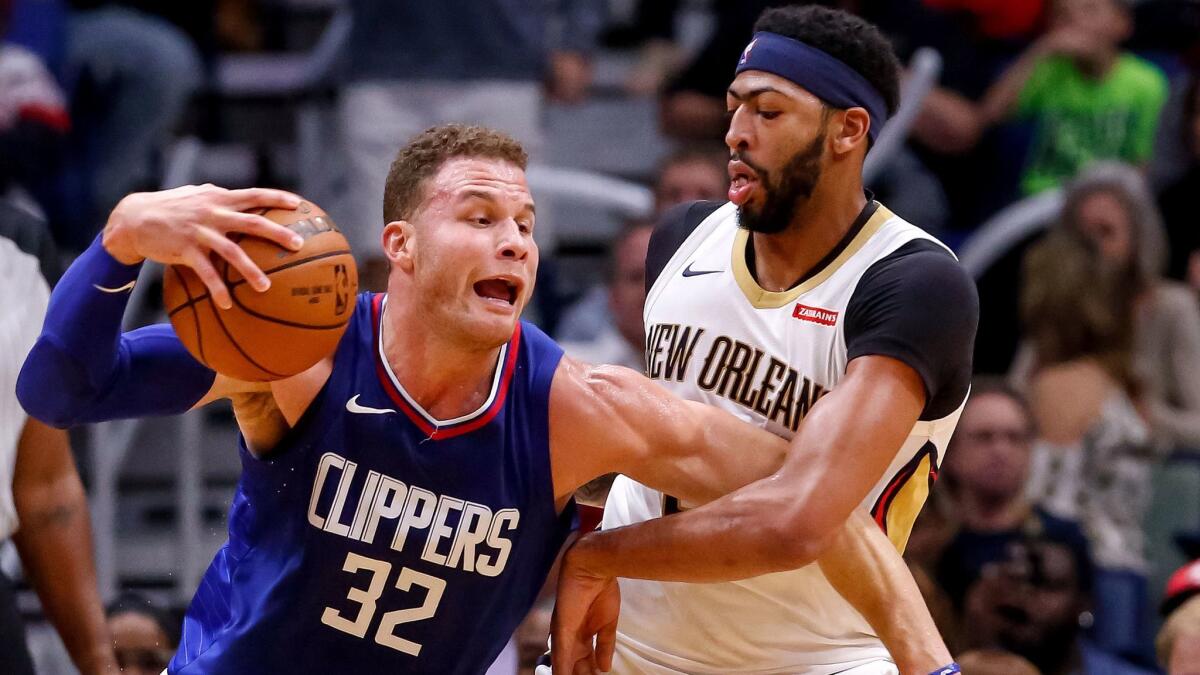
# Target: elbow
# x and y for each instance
(42, 387)
(799, 543)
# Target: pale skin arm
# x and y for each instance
(607, 418)
(55, 545)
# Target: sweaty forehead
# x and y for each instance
(463, 175)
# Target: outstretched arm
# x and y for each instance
(606, 418)
(82, 368)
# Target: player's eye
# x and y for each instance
(525, 226)
(481, 220)
(768, 114)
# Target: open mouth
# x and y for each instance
(741, 180)
(498, 289)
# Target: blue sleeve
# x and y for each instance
(82, 369)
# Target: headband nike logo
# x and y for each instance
(353, 406)
(120, 289)
(689, 272)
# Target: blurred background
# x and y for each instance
(1054, 144)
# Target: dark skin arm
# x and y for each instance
(55, 545)
(782, 522)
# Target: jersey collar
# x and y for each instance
(434, 428)
(872, 217)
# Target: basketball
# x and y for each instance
(281, 331)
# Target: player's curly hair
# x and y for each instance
(844, 36)
(424, 154)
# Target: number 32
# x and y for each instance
(366, 598)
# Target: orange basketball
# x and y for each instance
(283, 330)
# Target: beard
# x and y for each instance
(798, 178)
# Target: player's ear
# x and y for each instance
(848, 129)
(398, 243)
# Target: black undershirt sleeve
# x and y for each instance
(919, 306)
(675, 226)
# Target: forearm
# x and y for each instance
(1001, 98)
(82, 369)
(865, 568)
(55, 545)
(739, 536)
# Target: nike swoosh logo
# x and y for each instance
(353, 406)
(120, 289)
(689, 272)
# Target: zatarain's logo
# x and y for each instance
(825, 317)
(746, 52)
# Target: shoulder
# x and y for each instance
(1146, 75)
(918, 269)
(675, 226)
(1174, 299)
(918, 306)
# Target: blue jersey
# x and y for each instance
(377, 539)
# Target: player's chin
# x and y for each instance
(493, 322)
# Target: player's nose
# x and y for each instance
(740, 133)
(513, 244)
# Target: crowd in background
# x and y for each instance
(1035, 549)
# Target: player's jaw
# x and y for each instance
(766, 199)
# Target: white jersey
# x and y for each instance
(715, 336)
(23, 297)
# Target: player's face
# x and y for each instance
(473, 258)
(776, 140)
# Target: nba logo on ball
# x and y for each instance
(746, 52)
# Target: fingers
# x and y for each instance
(606, 644)
(227, 249)
(258, 226)
(198, 261)
(261, 198)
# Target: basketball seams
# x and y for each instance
(238, 282)
(238, 347)
(195, 314)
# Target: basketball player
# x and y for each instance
(808, 308)
(402, 501)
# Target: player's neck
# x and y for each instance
(816, 228)
(446, 378)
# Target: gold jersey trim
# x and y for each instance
(761, 298)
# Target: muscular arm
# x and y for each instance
(786, 520)
(55, 545)
(606, 418)
(862, 564)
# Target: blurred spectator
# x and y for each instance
(1111, 206)
(1178, 642)
(995, 662)
(1178, 199)
(1035, 604)
(693, 106)
(620, 335)
(144, 635)
(130, 77)
(416, 64)
(983, 485)
(43, 507)
(691, 174)
(1085, 97)
(1093, 457)
(33, 118)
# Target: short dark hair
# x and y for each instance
(424, 154)
(844, 36)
